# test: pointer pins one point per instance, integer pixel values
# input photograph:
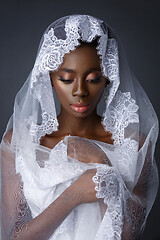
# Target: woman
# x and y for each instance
(78, 174)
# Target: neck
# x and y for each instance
(71, 125)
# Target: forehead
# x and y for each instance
(82, 57)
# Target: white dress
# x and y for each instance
(43, 182)
(126, 180)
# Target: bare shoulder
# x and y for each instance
(7, 152)
(107, 138)
(8, 136)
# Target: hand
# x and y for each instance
(84, 187)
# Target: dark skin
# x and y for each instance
(79, 79)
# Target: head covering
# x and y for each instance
(128, 191)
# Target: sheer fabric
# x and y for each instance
(34, 176)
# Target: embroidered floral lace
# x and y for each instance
(34, 176)
(51, 55)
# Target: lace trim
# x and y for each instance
(110, 64)
(51, 55)
(113, 69)
(49, 124)
(53, 49)
(127, 160)
(108, 187)
(119, 114)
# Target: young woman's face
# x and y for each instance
(79, 83)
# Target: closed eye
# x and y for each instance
(67, 81)
(95, 80)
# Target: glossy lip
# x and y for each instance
(80, 107)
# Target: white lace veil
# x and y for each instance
(127, 114)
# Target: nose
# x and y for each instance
(80, 88)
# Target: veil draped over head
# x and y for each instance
(33, 176)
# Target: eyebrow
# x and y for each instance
(68, 70)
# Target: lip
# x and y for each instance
(80, 107)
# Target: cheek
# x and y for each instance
(62, 92)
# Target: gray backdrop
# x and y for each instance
(136, 22)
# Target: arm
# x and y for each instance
(138, 201)
(16, 219)
(44, 225)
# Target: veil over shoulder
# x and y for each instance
(33, 176)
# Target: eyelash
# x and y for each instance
(96, 80)
(68, 81)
